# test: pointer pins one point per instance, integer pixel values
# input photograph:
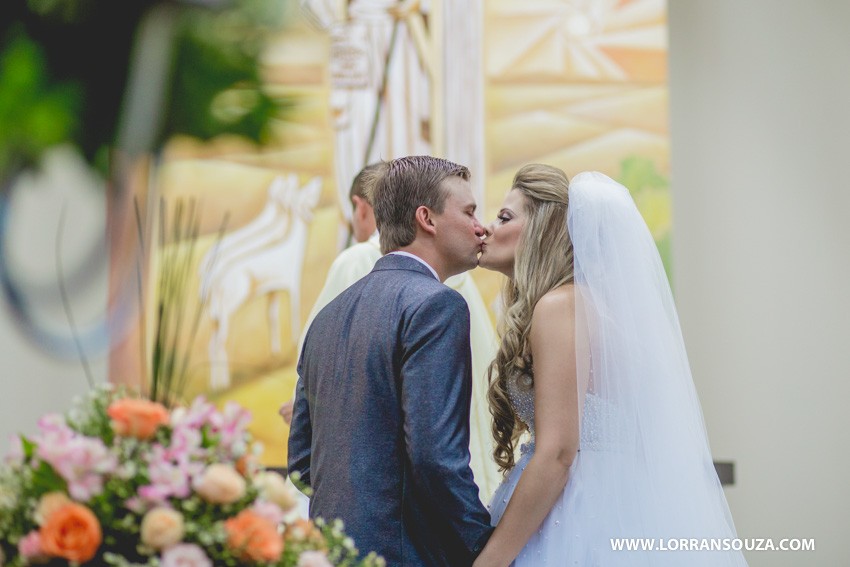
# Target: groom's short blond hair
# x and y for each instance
(403, 185)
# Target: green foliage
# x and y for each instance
(217, 87)
(36, 111)
(45, 479)
(57, 84)
(62, 10)
(95, 421)
(639, 173)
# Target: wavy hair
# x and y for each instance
(543, 261)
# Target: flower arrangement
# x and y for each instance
(127, 482)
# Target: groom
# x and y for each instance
(380, 426)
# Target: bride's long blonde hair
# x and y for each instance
(543, 261)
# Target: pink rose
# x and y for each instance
(313, 559)
(269, 511)
(220, 484)
(162, 527)
(31, 549)
(185, 555)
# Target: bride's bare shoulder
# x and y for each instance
(556, 301)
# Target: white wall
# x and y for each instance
(760, 94)
(32, 382)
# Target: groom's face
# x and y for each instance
(458, 235)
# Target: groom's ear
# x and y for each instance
(425, 220)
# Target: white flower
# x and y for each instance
(185, 555)
(238, 448)
(274, 488)
(178, 415)
(313, 559)
(258, 448)
(8, 498)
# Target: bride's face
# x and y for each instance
(502, 235)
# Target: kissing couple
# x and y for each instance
(591, 365)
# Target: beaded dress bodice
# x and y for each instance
(521, 394)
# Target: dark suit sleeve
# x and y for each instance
(436, 393)
(300, 434)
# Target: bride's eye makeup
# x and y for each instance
(503, 217)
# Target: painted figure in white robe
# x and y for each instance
(379, 85)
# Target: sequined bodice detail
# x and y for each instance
(521, 394)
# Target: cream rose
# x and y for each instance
(48, 504)
(313, 559)
(273, 488)
(220, 484)
(162, 527)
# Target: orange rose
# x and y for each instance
(137, 418)
(72, 532)
(246, 465)
(253, 538)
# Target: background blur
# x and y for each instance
(759, 256)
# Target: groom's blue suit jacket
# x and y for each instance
(380, 427)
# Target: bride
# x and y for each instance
(592, 365)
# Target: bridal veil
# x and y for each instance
(644, 469)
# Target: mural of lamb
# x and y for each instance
(265, 257)
(269, 226)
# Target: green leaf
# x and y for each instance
(29, 447)
(45, 479)
(35, 111)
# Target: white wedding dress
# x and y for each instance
(644, 468)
